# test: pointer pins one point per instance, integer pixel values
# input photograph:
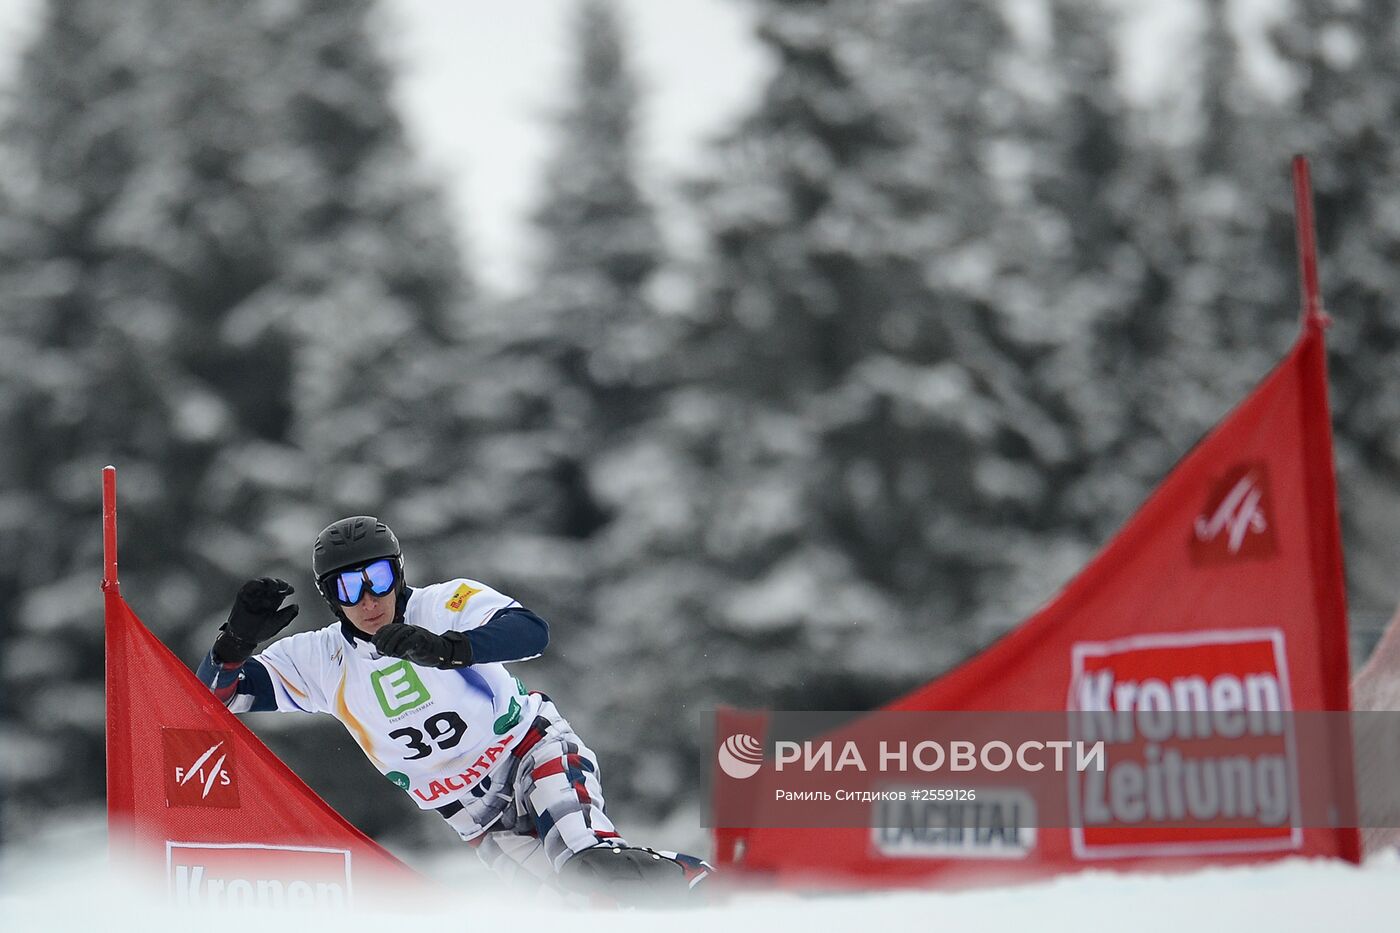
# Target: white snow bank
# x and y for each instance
(1293, 895)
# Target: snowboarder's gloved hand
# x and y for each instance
(255, 617)
(422, 647)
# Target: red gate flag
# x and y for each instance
(1230, 573)
(193, 790)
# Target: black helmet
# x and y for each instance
(358, 539)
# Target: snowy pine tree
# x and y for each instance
(138, 228)
(560, 391)
(817, 259)
(1343, 115)
(996, 449)
(809, 344)
(206, 202)
(570, 367)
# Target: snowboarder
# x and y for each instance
(417, 675)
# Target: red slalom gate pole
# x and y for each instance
(1321, 473)
(1307, 243)
(119, 807)
(109, 531)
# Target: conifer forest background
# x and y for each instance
(959, 304)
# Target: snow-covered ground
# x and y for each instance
(1295, 895)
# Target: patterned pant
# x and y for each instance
(538, 808)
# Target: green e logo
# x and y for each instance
(507, 722)
(398, 688)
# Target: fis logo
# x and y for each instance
(199, 768)
(1236, 522)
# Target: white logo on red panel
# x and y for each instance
(253, 875)
(199, 768)
(1199, 751)
(1236, 521)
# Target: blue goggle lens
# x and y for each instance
(378, 576)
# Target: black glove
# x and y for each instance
(255, 617)
(422, 647)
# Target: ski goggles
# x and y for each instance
(348, 586)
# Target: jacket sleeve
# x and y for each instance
(244, 687)
(497, 627)
(278, 679)
(511, 634)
